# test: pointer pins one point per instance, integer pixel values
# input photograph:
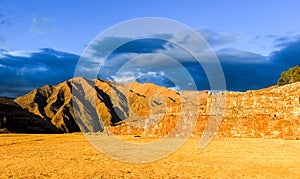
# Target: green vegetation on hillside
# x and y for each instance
(290, 76)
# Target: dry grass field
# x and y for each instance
(72, 156)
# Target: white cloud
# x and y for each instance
(20, 53)
(125, 79)
(41, 25)
(30, 70)
(131, 76)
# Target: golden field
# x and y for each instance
(72, 156)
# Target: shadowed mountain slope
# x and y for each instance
(14, 118)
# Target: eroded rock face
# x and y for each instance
(15, 119)
(52, 103)
(55, 104)
(153, 111)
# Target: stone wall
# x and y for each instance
(268, 113)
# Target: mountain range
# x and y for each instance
(149, 110)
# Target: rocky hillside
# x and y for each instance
(13, 118)
(114, 102)
(153, 111)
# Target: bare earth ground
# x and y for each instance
(71, 156)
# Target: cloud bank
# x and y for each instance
(22, 71)
(243, 69)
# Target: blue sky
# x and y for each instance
(67, 26)
(35, 34)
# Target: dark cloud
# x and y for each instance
(101, 47)
(253, 71)
(23, 72)
(145, 45)
(233, 55)
(288, 56)
(243, 70)
(142, 63)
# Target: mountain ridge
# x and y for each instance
(127, 108)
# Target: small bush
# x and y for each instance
(290, 76)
